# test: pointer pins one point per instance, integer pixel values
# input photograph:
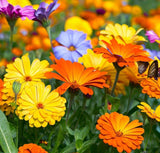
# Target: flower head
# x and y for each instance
(25, 72)
(122, 33)
(40, 106)
(152, 36)
(116, 130)
(151, 87)
(73, 44)
(14, 12)
(75, 76)
(31, 148)
(154, 114)
(43, 12)
(122, 54)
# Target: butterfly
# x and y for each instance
(153, 70)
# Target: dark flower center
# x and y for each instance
(71, 48)
(28, 78)
(119, 133)
(40, 106)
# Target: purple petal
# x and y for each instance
(152, 36)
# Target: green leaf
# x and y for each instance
(115, 101)
(69, 148)
(81, 134)
(6, 140)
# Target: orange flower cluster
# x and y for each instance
(151, 87)
(75, 76)
(123, 54)
(116, 130)
(31, 148)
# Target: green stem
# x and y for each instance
(49, 33)
(70, 105)
(145, 147)
(129, 99)
(115, 82)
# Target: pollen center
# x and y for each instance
(71, 48)
(28, 78)
(40, 106)
(119, 133)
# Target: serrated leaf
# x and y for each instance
(6, 140)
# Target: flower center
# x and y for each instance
(28, 78)
(71, 48)
(40, 106)
(119, 133)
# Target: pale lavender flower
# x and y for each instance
(12, 13)
(152, 36)
(43, 12)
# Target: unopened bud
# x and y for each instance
(16, 87)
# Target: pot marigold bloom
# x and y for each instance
(40, 106)
(75, 76)
(31, 148)
(116, 130)
(123, 54)
(151, 87)
(122, 33)
(154, 114)
(98, 62)
(25, 72)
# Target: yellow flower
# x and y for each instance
(77, 23)
(40, 106)
(92, 59)
(154, 114)
(23, 71)
(122, 33)
(19, 2)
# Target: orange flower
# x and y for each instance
(17, 51)
(31, 148)
(116, 130)
(123, 54)
(151, 87)
(154, 114)
(75, 76)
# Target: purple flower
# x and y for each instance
(43, 12)
(14, 12)
(73, 44)
(152, 36)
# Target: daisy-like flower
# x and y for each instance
(75, 76)
(40, 106)
(98, 62)
(154, 114)
(116, 130)
(152, 36)
(24, 71)
(122, 33)
(14, 12)
(151, 87)
(43, 12)
(31, 148)
(122, 54)
(73, 44)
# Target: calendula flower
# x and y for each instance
(75, 76)
(14, 12)
(116, 131)
(154, 114)
(122, 54)
(19, 2)
(43, 12)
(40, 106)
(79, 24)
(151, 87)
(73, 44)
(24, 71)
(98, 62)
(122, 33)
(152, 36)
(31, 148)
